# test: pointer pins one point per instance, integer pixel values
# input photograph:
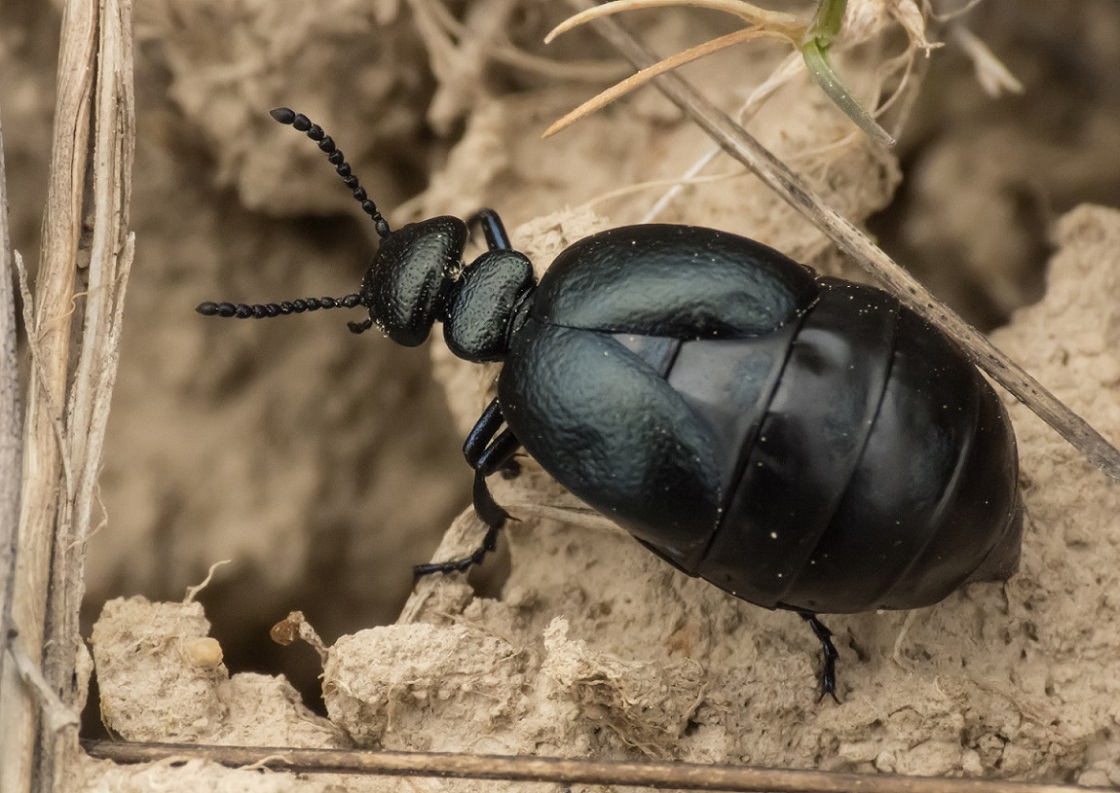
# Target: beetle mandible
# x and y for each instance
(801, 442)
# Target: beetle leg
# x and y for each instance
(492, 227)
(482, 433)
(497, 455)
(489, 543)
(480, 436)
(828, 673)
(493, 458)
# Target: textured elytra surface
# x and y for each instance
(1012, 681)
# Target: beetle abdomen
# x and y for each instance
(934, 503)
(802, 443)
(882, 476)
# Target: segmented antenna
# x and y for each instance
(266, 310)
(335, 157)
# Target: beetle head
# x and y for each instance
(408, 281)
(417, 278)
(405, 285)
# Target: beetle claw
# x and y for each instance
(828, 650)
(828, 681)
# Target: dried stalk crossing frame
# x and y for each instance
(656, 775)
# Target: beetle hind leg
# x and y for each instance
(486, 456)
(828, 650)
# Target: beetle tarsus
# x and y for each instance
(489, 543)
(828, 650)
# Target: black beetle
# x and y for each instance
(802, 442)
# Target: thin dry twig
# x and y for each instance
(458, 52)
(9, 403)
(994, 77)
(946, 16)
(660, 775)
(192, 591)
(11, 424)
(643, 76)
(773, 172)
(89, 188)
(50, 335)
(35, 354)
(111, 249)
(763, 24)
(58, 714)
(503, 52)
(812, 41)
(788, 24)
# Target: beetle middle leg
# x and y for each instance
(486, 454)
(828, 672)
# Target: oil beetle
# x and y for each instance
(801, 442)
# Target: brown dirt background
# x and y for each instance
(323, 465)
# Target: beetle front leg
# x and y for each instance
(828, 671)
(493, 457)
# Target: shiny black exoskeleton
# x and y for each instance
(803, 443)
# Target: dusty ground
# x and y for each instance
(323, 465)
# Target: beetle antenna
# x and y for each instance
(266, 310)
(335, 157)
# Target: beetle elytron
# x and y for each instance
(803, 443)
